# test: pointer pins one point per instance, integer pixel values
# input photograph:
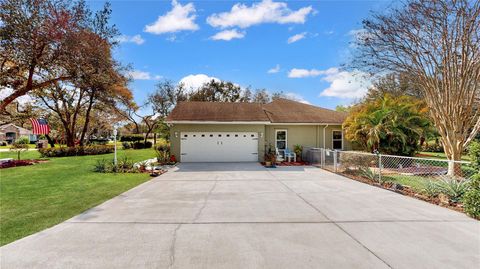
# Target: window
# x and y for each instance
(337, 140)
(203, 135)
(281, 140)
(185, 135)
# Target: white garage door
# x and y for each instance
(219, 147)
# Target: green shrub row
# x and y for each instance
(131, 138)
(137, 145)
(76, 151)
(124, 165)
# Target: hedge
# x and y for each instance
(76, 151)
(131, 138)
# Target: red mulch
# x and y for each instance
(15, 163)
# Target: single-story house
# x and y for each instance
(11, 132)
(242, 132)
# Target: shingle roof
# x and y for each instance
(288, 111)
(217, 111)
(278, 111)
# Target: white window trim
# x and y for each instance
(337, 130)
(286, 138)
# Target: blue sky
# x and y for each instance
(301, 43)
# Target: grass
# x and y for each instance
(31, 146)
(440, 155)
(417, 183)
(33, 198)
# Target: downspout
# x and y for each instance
(324, 128)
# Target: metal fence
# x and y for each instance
(384, 168)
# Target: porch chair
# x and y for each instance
(289, 154)
(279, 156)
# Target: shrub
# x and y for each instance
(76, 151)
(142, 145)
(474, 152)
(453, 188)
(163, 153)
(435, 147)
(124, 165)
(357, 160)
(431, 188)
(471, 199)
(131, 138)
(126, 145)
(22, 140)
(101, 166)
(3, 143)
(369, 173)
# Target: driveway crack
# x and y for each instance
(172, 246)
(205, 200)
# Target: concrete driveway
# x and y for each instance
(246, 216)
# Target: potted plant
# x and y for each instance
(298, 151)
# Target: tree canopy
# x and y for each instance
(437, 45)
(391, 125)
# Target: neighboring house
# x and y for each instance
(241, 132)
(10, 133)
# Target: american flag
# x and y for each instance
(40, 126)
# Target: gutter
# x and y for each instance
(324, 128)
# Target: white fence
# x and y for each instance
(382, 168)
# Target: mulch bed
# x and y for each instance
(15, 163)
(406, 190)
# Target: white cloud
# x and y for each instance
(228, 35)
(303, 73)
(296, 37)
(180, 18)
(137, 39)
(274, 70)
(345, 84)
(296, 97)
(142, 75)
(267, 11)
(193, 82)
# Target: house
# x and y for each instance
(242, 132)
(10, 133)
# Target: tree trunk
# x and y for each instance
(87, 120)
(453, 151)
(50, 141)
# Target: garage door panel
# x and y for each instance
(219, 147)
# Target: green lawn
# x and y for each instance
(439, 155)
(33, 198)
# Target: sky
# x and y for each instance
(297, 47)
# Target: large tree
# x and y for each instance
(37, 42)
(437, 43)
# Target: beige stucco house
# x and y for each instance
(236, 132)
